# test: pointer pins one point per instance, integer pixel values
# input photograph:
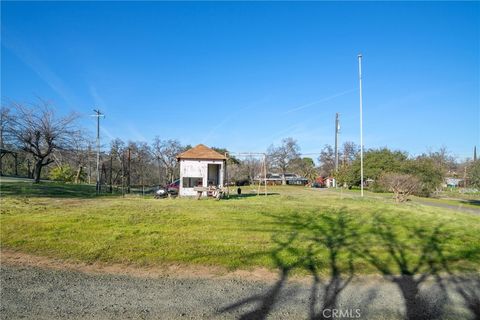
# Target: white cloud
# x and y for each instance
(319, 101)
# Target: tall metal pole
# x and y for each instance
(336, 141)
(265, 172)
(361, 123)
(89, 164)
(98, 114)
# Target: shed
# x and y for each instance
(200, 166)
(330, 182)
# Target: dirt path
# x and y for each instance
(41, 292)
(178, 271)
(448, 206)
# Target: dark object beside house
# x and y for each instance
(243, 182)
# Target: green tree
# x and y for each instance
(231, 158)
(427, 171)
(304, 167)
(375, 163)
(473, 174)
(346, 176)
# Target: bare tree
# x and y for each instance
(39, 132)
(116, 167)
(305, 167)
(402, 185)
(5, 133)
(166, 152)
(283, 156)
(6, 122)
(349, 152)
(141, 158)
(76, 156)
(245, 171)
(327, 160)
(80, 156)
(252, 167)
(444, 161)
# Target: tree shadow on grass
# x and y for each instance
(472, 202)
(328, 246)
(48, 190)
(408, 265)
(265, 302)
(307, 237)
(335, 235)
(248, 195)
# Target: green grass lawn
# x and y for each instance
(469, 201)
(292, 228)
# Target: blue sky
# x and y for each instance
(246, 75)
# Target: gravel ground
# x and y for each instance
(38, 293)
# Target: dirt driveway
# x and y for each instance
(29, 292)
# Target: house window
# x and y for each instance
(189, 182)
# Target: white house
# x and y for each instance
(452, 182)
(200, 167)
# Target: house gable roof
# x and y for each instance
(201, 152)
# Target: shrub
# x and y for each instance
(62, 173)
(429, 174)
(402, 185)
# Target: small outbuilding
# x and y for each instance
(201, 167)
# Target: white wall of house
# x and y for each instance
(330, 183)
(191, 169)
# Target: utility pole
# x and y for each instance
(337, 128)
(475, 153)
(361, 122)
(111, 173)
(123, 173)
(98, 114)
(128, 170)
(265, 172)
(89, 164)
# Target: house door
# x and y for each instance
(213, 174)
